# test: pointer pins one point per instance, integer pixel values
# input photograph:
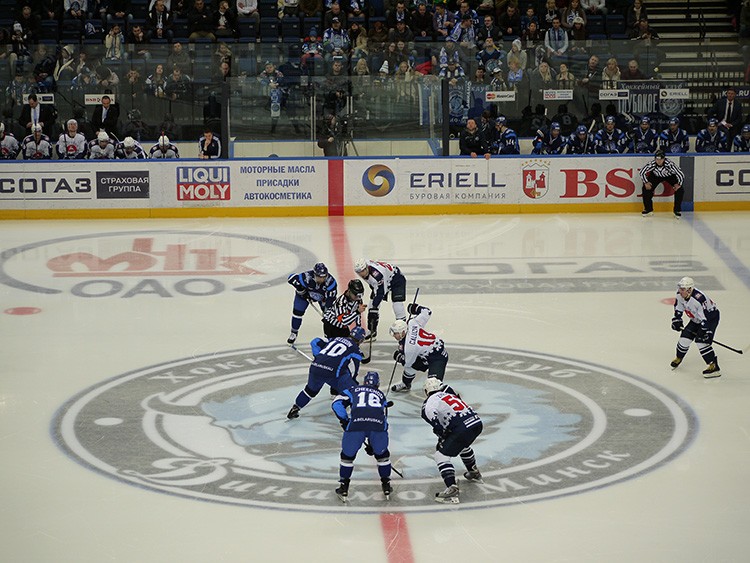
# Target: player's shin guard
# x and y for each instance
(467, 456)
(304, 397)
(707, 352)
(346, 467)
(384, 464)
(399, 309)
(447, 471)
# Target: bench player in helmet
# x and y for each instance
(36, 146)
(741, 142)
(346, 311)
(365, 420)
(383, 278)
(703, 318)
(9, 147)
(316, 285)
(418, 350)
(335, 363)
(457, 426)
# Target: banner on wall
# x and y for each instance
(726, 178)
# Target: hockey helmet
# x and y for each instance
(36, 128)
(432, 385)
(581, 130)
(357, 334)
(501, 120)
(71, 123)
(646, 119)
(163, 141)
(610, 119)
(372, 379)
(356, 288)
(320, 270)
(398, 327)
(128, 142)
(360, 265)
(686, 283)
(746, 128)
(713, 122)
(554, 125)
(674, 121)
(102, 136)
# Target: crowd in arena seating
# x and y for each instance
(143, 53)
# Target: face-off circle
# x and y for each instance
(214, 428)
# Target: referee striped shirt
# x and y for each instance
(666, 170)
(343, 312)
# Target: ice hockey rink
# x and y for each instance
(146, 379)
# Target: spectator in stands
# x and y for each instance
(728, 111)
(138, 40)
(209, 147)
(516, 52)
(200, 22)
(643, 31)
(133, 88)
(497, 80)
(360, 45)
(421, 21)
(569, 14)
(556, 43)
(29, 22)
(541, 78)
(529, 17)
(107, 117)
(741, 142)
(443, 20)
(399, 13)
(248, 9)
(591, 81)
(114, 44)
(156, 82)
(674, 140)
(311, 9)
(75, 9)
(107, 80)
(610, 74)
(335, 12)
(72, 145)
(486, 8)
(510, 21)
(578, 36)
(288, 8)
(160, 21)
(711, 139)
(465, 8)
(312, 50)
(65, 66)
(225, 21)
(490, 57)
(335, 40)
(35, 113)
(633, 72)
(400, 33)
(16, 90)
(223, 72)
(102, 148)
(565, 81)
(178, 56)
(594, 6)
(20, 53)
(532, 38)
(119, 11)
(179, 85)
(487, 29)
(452, 72)
(550, 13)
(634, 14)
(361, 69)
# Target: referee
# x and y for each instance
(659, 170)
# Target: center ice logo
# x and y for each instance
(215, 428)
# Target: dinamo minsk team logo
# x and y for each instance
(214, 428)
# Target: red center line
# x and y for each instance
(395, 531)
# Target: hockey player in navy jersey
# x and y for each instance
(551, 142)
(383, 279)
(741, 142)
(457, 426)
(703, 318)
(711, 139)
(580, 141)
(643, 138)
(335, 363)
(674, 140)
(418, 350)
(316, 285)
(609, 139)
(504, 140)
(363, 414)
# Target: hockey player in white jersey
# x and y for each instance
(383, 279)
(102, 148)
(72, 145)
(703, 318)
(457, 426)
(164, 149)
(129, 148)
(9, 147)
(418, 350)
(37, 145)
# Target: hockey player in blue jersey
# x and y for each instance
(711, 139)
(316, 285)
(643, 138)
(580, 141)
(335, 363)
(741, 142)
(703, 318)
(674, 140)
(551, 142)
(366, 419)
(505, 140)
(609, 139)
(457, 426)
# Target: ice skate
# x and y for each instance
(292, 338)
(646, 213)
(712, 371)
(293, 412)
(343, 490)
(473, 475)
(401, 388)
(385, 482)
(676, 362)
(677, 214)
(448, 496)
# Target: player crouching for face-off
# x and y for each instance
(366, 420)
(703, 318)
(418, 350)
(383, 279)
(457, 426)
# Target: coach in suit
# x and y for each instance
(728, 111)
(34, 112)
(107, 116)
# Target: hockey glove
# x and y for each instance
(705, 336)
(399, 357)
(344, 422)
(372, 320)
(413, 309)
(677, 325)
(388, 404)
(368, 448)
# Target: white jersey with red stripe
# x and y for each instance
(72, 148)
(447, 413)
(696, 306)
(379, 276)
(419, 343)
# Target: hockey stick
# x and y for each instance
(393, 371)
(300, 352)
(314, 305)
(367, 359)
(735, 350)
